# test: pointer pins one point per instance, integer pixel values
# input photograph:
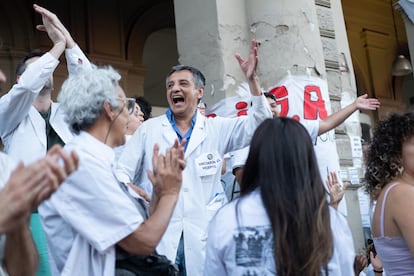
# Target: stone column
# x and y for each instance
(208, 35)
(289, 36)
(210, 32)
(342, 85)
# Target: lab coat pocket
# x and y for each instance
(216, 203)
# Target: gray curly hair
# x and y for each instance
(82, 96)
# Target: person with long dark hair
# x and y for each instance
(281, 223)
(390, 181)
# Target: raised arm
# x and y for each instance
(55, 35)
(237, 132)
(16, 104)
(337, 118)
(249, 67)
(75, 58)
(54, 20)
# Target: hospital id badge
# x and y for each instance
(208, 163)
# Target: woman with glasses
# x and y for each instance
(92, 214)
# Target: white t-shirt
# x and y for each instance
(89, 214)
(247, 249)
(313, 129)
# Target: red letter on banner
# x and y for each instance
(281, 95)
(313, 103)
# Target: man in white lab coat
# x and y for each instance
(30, 123)
(207, 141)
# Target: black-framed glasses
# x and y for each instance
(129, 103)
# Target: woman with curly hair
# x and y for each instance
(281, 223)
(390, 181)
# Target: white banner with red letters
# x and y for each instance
(300, 97)
(306, 98)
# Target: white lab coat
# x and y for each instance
(201, 192)
(22, 128)
(89, 214)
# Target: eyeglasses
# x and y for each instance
(129, 103)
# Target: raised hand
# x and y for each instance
(365, 103)
(336, 192)
(52, 31)
(180, 149)
(52, 19)
(249, 65)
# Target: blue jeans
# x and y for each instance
(180, 259)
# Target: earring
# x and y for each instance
(400, 169)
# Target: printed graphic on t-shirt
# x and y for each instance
(254, 250)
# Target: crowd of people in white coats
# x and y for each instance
(85, 181)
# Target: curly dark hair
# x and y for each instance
(384, 153)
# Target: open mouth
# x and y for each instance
(177, 99)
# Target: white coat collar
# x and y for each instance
(94, 147)
(197, 137)
(39, 125)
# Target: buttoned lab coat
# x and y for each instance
(201, 192)
(22, 128)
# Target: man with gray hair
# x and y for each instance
(92, 213)
(207, 140)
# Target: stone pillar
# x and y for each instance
(208, 35)
(289, 36)
(210, 32)
(342, 85)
